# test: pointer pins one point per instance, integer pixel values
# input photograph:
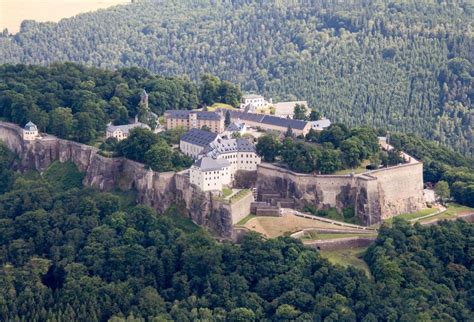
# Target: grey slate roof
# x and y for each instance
(222, 146)
(247, 116)
(213, 116)
(210, 164)
(284, 122)
(201, 115)
(233, 127)
(268, 119)
(199, 137)
(30, 126)
(127, 127)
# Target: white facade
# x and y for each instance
(30, 132)
(256, 101)
(210, 174)
(121, 132)
(240, 154)
(247, 161)
(192, 150)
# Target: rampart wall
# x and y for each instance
(375, 195)
(155, 189)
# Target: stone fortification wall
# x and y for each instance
(157, 190)
(241, 208)
(375, 195)
(341, 243)
(400, 189)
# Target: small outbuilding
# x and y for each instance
(30, 132)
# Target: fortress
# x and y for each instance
(375, 195)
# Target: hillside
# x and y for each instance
(70, 253)
(405, 66)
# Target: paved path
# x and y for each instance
(326, 220)
(440, 211)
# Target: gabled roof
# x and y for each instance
(253, 117)
(210, 164)
(177, 114)
(204, 115)
(30, 126)
(199, 137)
(235, 126)
(127, 127)
(284, 122)
(223, 146)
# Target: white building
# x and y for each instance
(256, 101)
(320, 124)
(30, 132)
(235, 128)
(195, 141)
(121, 132)
(213, 151)
(210, 174)
(240, 154)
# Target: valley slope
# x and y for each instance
(400, 66)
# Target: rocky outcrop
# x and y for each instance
(155, 189)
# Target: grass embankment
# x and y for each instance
(347, 215)
(421, 213)
(360, 169)
(346, 257)
(239, 195)
(215, 106)
(313, 235)
(453, 210)
(243, 221)
(226, 192)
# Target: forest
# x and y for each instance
(69, 253)
(405, 66)
(325, 152)
(76, 102)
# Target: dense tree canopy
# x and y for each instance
(323, 152)
(76, 102)
(401, 65)
(74, 254)
(440, 163)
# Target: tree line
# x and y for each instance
(401, 65)
(77, 102)
(73, 253)
(327, 151)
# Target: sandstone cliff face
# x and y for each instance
(157, 190)
(375, 195)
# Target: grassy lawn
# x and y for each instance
(226, 192)
(239, 195)
(315, 236)
(421, 213)
(243, 221)
(453, 210)
(360, 169)
(346, 257)
(215, 106)
(347, 216)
